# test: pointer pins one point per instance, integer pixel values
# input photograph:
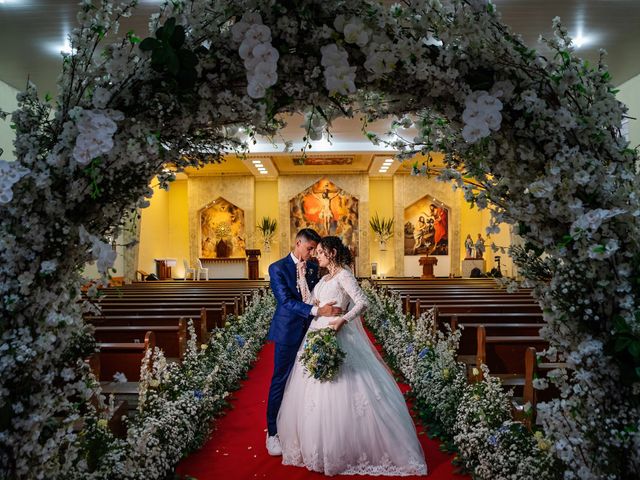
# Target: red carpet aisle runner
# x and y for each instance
(237, 451)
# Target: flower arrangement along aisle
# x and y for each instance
(322, 355)
(177, 401)
(541, 135)
(472, 419)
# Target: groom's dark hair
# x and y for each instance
(308, 234)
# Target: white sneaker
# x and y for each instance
(273, 445)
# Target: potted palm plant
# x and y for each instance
(267, 227)
(383, 228)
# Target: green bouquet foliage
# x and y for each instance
(322, 355)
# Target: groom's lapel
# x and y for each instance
(312, 274)
(292, 277)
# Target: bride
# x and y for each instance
(357, 424)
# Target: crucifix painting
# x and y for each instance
(327, 209)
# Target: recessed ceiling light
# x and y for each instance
(580, 40)
(256, 162)
(59, 48)
(388, 161)
(262, 169)
(383, 170)
(263, 172)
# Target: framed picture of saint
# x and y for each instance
(426, 228)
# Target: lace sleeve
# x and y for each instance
(350, 285)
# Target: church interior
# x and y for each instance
(180, 224)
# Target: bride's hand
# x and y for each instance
(337, 324)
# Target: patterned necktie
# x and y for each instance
(303, 288)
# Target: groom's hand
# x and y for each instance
(328, 310)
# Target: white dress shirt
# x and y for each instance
(314, 309)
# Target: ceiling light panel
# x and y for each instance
(383, 166)
(262, 167)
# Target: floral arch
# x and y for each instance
(540, 134)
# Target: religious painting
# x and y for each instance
(327, 209)
(315, 161)
(426, 228)
(222, 230)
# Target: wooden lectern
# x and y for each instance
(254, 266)
(427, 267)
(163, 267)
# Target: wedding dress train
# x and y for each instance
(358, 423)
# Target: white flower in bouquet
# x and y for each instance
(356, 32)
(102, 252)
(592, 220)
(10, 174)
(239, 29)
(380, 61)
(260, 57)
(95, 137)
(481, 115)
(48, 266)
(101, 97)
(339, 76)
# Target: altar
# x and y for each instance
(468, 264)
(228, 267)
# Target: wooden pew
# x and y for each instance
(538, 369)
(467, 349)
(123, 357)
(504, 355)
(171, 339)
(129, 312)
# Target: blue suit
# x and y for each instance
(288, 327)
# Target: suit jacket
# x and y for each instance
(292, 316)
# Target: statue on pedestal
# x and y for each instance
(468, 245)
(480, 248)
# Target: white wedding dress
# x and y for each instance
(357, 424)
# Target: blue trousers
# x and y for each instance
(283, 360)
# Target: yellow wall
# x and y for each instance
(381, 202)
(178, 235)
(154, 231)
(164, 228)
(266, 206)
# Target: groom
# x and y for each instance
(290, 276)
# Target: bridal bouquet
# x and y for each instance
(321, 355)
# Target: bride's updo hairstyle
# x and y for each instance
(336, 250)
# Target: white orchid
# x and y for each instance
(355, 32)
(10, 174)
(339, 76)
